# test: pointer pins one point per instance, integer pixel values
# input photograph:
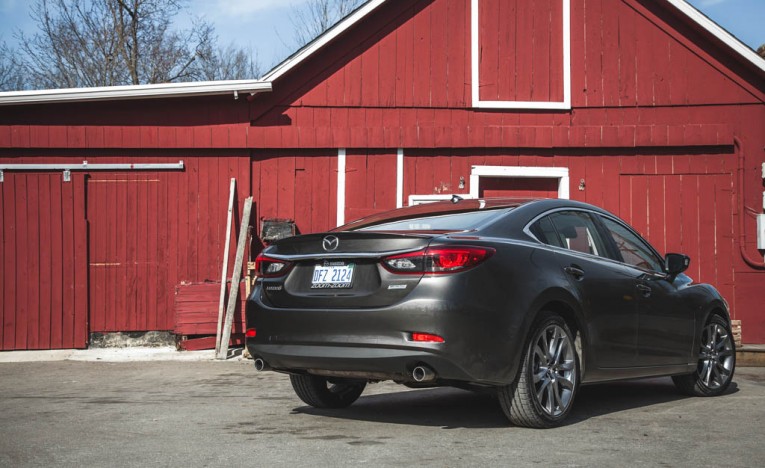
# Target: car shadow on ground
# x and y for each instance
(451, 408)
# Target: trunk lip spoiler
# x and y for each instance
(340, 255)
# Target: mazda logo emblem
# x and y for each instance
(330, 243)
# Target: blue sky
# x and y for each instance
(265, 27)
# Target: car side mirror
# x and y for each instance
(675, 263)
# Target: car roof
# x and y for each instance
(456, 205)
(528, 206)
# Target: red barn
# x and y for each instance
(111, 198)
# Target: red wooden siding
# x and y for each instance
(370, 183)
(44, 262)
(420, 58)
(196, 310)
(521, 46)
(628, 53)
(692, 214)
(296, 185)
(150, 231)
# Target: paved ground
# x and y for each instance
(224, 413)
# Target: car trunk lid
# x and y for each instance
(341, 270)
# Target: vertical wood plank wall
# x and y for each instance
(521, 45)
(43, 262)
(150, 231)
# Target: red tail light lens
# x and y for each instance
(427, 338)
(251, 333)
(438, 260)
(267, 267)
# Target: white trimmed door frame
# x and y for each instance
(560, 173)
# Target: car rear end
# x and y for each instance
(421, 306)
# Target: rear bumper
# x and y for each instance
(376, 363)
(480, 343)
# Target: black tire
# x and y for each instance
(717, 361)
(319, 392)
(548, 401)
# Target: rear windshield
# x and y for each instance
(446, 222)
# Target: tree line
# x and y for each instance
(88, 43)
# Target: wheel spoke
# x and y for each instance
(545, 346)
(716, 377)
(539, 353)
(566, 383)
(723, 372)
(552, 344)
(560, 349)
(542, 388)
(550, 399)
(722, 344)
(704, 371)
(725, 353)
(540, 374)
(556, 393)
(566, 366)
(707, 373)
(713, 339)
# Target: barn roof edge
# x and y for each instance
(149, 91)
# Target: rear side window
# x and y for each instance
(545, 232)
(572, 230)
(634, 250)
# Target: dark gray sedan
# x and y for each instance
(531, 298)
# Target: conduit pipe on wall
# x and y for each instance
(756, 264)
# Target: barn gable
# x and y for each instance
(623, 53)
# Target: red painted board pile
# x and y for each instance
(196, 315)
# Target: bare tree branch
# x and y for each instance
(83, 43)
(11, 77)
(314, 17)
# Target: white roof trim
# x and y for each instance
(729, 39)
(199, 88)
(322, 40)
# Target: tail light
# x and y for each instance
(267, 267)
(427, 338)
(438, 260)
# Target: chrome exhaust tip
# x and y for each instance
(260, 365)
(423, 374)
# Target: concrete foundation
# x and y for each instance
(152, 339)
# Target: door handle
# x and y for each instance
(644, 290)
(574, 271)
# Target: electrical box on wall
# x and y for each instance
(761, 231)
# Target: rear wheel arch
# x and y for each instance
(575, 323)
(562, 303)
(717, 309)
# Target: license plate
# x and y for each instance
(329, 276)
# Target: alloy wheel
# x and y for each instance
(716, 357)
(553, 370)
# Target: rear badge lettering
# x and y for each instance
(397, 286)
(273, 288)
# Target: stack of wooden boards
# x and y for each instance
(196, 315)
